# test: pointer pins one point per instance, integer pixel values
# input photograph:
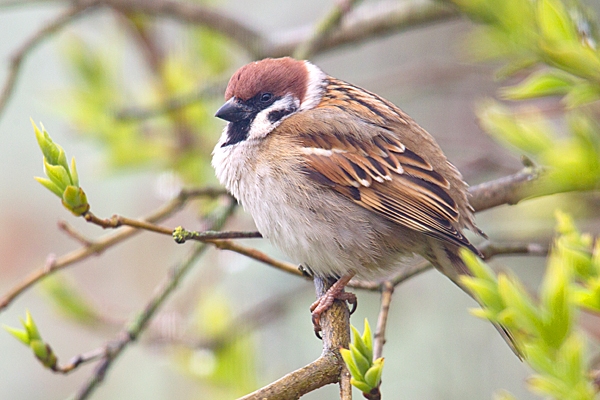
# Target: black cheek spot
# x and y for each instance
(275, 116)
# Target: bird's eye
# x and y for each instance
(266, 97)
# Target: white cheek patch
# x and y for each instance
(316, 86)
(261, 126)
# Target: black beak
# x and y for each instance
(233, 111)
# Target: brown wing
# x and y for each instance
(383, 175)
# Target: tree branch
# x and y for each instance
(140, 321)
(96, 247)
(22, 52)
(379, 337)
(366, 23)
(195, 13)
(324, 28)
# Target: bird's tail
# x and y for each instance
(445, 258)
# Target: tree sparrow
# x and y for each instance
(340, 179)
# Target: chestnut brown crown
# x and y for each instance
(278, 76)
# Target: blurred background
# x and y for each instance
(80, 81)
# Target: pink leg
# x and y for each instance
(335, 292)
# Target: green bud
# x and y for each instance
(360, 385)
(367, 338)
(39, 349)
(21, 335)
(373, 374)
(57, 174)
(360, 345)
(31, 327)
(347, 356)
(75, 200)
(74, 174)
(359, 359)
(50, 150)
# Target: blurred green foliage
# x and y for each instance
(68, 300)
(227, 359)
(544, 330)
(554, 45)
(179, 139)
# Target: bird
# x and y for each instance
(338, 178)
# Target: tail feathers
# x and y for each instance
(445, 258)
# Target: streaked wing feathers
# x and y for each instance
(386, 177)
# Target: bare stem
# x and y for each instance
(141, 320)
(379, 337)
(98, 246)
(324, 28)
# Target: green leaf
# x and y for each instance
(516, 298)
(48, 184)
(479, 268)
(539, 84)
(360, 385)
(373, 374)
(50, 150)
(68, 300)
(485, 291)
(554, 295)
(532, 134)
(367, 338)
(19, 334)
(74, 174)
(545, 385)
(554, 21)
(360, 345)
(574, 58)
(360, 360)
(582, 93)
(57, 174)
(31, 327)
(354, 371)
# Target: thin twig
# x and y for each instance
(491, 249)
(22, 52)
(181, 235)
(141, 320)
(198, 14)
(81, 359)
(324, 28)
(368, 22)
(379, 337)
(74, 233)
(257, 255)
(96, 247)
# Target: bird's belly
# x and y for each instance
(322, 230)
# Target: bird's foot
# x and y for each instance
(323, 303)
